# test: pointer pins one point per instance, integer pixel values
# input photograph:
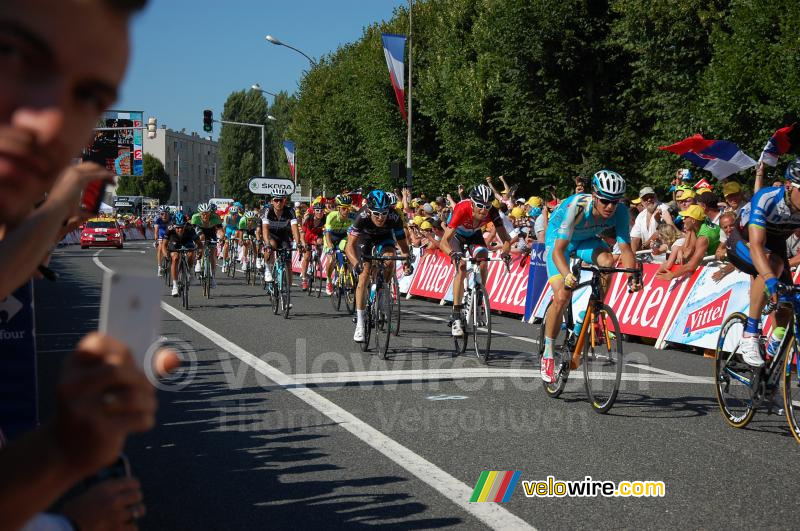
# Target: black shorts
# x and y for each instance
(459, 243)
(173, 246)
(209, 233)
(739, 254)
(282, 238)
(371, 245)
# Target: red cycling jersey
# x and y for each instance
(313, 229)
(463, 221)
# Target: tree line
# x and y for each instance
(536, 90)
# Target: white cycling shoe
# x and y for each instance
(748, 349)
(174, 290)
(456, 328)
(267, 275)
(358, 335)
(197, 267)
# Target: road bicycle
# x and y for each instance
(314, 272)
(344, 283)
(476, 312)
(206, 272)
(233, 254)
(280, 289)
(597, 344)
(742, 388)
(249, 263)
(183, 274)
(165, 265)
(378, 314)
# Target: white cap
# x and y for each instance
(297, 204)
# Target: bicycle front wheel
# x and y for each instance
(185, 284)
(791, 389)
(482, 325)
(368, 324)
(732, 376)
(349, 290)
(394, 287)
(336, 294)
(602, 359)
(286, 292)
(274, 289)
(383, 321)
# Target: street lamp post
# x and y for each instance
(277, 42)
(257, 88)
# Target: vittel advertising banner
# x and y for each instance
(507, 290)
(646, 312)
(433, 275)
(705, 307)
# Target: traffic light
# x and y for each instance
(152, 124)
(208, 120)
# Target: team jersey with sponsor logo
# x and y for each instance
(276, 223)
(573, 221)
(337, 225)
(769, 210)
(213, 221)
(464, 222)
(364, 226)
(162, 226)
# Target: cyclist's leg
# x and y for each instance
(386, 248)
(458, 243)
(304, 262)
(479, 249)
(595, 251)
(334, 257)
(555, 312)
(364, 245)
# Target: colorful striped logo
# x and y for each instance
(495, 486)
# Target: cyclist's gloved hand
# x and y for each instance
(570, 281)
(506, 257)
(634, 284)
(408, 269)
(456, 257)
(770, 286)
(294, 246)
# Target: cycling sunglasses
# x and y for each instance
(606, 202)
(481, 206)
(379, 213)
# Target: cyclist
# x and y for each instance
(248, 226)
(206, 223)
(180, 235)
(312, 229)
(162, 224)
(231, 223)
(279, 231)
(463, 230)
(757, 246)
(374, 230)
(573, 229)
(336, 225)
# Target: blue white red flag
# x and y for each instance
(720, 157)
(394, 49)
(777, 145)
(288, 147)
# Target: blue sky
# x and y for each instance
(188, 55)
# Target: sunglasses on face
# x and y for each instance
(481, 206)
(648, 198)
(607, 202)
(379, 213)
(277, 200)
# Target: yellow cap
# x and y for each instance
(703, 190)
(636, 201)
(684, 194)
(418, 220)
(517, 212)
(731, 187)
(414, 203)
(535, 201)
(694, 211)
(399, 205)
(496, 203)
(426, 225)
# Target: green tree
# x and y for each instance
(154, 181)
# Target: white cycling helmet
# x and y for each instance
(250, 214)
(481, 194)
(608, 184)
(392, 198)
(204, 207)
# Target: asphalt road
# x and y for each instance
(277, 423)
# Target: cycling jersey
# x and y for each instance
(213, 221)
(769, 209)
(244, 225)
(186, 239)
(312, 228)
(363, 226)
(336, 226)
(282, 223)
(162, 226)
(573, 220)
(463, 221)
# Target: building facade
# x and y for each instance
(191, 161)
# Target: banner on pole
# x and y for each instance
(394, 49)
(288, 147)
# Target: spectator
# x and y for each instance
(662, 241)
(637, 204)
(732, 192)
(726, 222)
(793, 248)
(648, 219)
(710, 203)
(700, 237)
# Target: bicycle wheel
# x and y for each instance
(482, 325)
(311, 272)
(274, 289)
(318, 280)
(460, 342)
(602, 359)
(286, 291)
(563, 344)
(382, 310)
(336, 295)
(732, 376)
(791, 389)
(184, 283)
(249, 272)
(349, 290)
(394, 289)
(165, 266)
(368, 324)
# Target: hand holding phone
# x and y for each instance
(71, 184)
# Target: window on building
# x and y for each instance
(185, 188)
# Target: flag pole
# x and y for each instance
(409, 172)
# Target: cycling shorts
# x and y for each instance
(739, 254)
(209, 233)
(173, 246)
(460, 243)
(366, 245)
(583, 249)
(230, 231)
(280, 239)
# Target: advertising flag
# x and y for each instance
(394, 49)
(783, 141)
(720, 157)
(288, 147)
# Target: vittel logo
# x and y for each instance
(709, 315)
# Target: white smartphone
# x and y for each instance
(130, 311)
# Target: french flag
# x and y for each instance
(288, 147)
(783, 141)
(394, 49)
(720, 157)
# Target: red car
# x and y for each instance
(101, 232)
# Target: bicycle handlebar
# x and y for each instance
(373, 258)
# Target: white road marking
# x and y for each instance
(494, 332)
(693, 379)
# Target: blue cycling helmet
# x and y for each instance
(534, 212)
(238, 205)
(608, 184)
(180, 218)
(793, 172)
(378, 200)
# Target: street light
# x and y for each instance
(277, 42)
(270, 117)
(258, 88)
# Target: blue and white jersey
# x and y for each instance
(573, 221)
(769, 210)
(162, 226)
